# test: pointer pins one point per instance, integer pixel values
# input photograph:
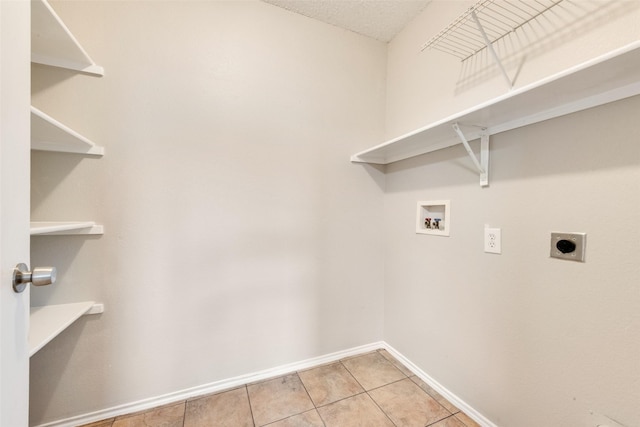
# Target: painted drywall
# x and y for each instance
(524, 339)
(238, 237)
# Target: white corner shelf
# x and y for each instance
(65, 228)
(608, 78)
(53, 44)
(48, 134)
(49, 321)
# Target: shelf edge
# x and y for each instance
(47, 18)
(73, 312)
(55, 228)
(375, 154)
(38, 143)
(59, 148)
(592, 101)
(92, 69)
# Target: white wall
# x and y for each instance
(238, 236)
(524, 339)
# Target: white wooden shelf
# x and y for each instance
(65, 228)
(48, 134)
(605, 79)
(53, 44)
(45, 323)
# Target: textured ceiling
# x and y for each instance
(379, 19)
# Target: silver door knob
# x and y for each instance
(40, 276)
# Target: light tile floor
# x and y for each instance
(369, 390)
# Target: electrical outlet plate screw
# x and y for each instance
(492, 240)
(569, 246)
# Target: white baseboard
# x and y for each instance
(455, 400)
(229, 383)
(213, 387)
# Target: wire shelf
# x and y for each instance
(464, 37)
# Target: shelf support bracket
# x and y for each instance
(483, 164)
(491, 49)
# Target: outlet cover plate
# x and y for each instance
(579, 239)
(492, 240)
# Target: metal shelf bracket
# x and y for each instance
(491, 49)
(483, 164)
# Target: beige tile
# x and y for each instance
(164, 416)
(329, 383)
(372, 370)
(466, 420)
(437, 396)
(395, 362)
(278, 398)
(407, 405)
(226, 409)
(200, 396)
(356, 411)
(103, 423)
(306, 419)
(452, 421)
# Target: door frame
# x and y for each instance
(15, 88)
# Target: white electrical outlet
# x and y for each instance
(492, 240)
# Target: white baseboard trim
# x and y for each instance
(455, 400)
(213, 387)
(145, 404)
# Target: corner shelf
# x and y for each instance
(65, 228)
(48, 134)
(608, 78)
(49, 321)
(53, 44)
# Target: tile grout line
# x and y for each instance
(246, 390)
(315, 407)
(446, 418)
(367, 391)
(184, 413)
(392, 362)
(383, 385)
(292, 415)
(306, 391)
(406, 377)
(382, 410)
(434, 397)
(340, 400)
(392, 382)
(364, 391)
(352, 376)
